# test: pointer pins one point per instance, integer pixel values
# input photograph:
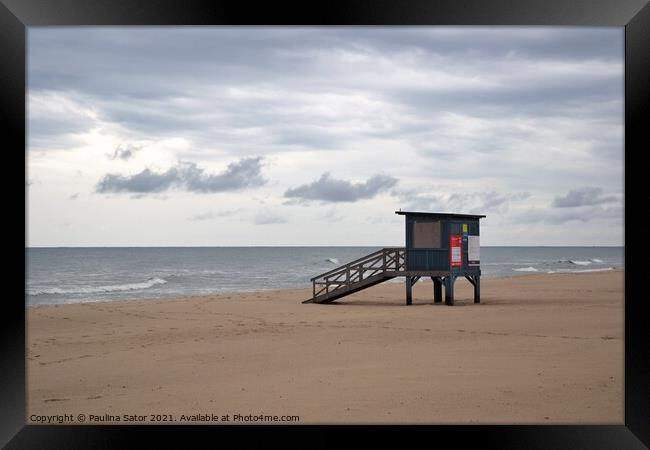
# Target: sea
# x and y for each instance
(76, 275)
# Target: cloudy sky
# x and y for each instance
(315, 136)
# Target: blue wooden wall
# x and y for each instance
(438, 259)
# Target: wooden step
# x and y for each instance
(354, 287)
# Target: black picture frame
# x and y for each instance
(634, 15)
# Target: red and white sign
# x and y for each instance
(455, 250)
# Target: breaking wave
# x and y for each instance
(526, 269)
(580, 271)
(578, 262)
(333, 260)
(98, 289)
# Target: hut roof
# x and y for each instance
(441, 215)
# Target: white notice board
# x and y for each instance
(473, 250)
(455, 255)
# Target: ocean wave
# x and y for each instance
(501, 264)
(98, 289)
(333, 260)
(597, 261)
(577, 262)
(179, 273)
(526, 269)
(593, 270)
(605, 269)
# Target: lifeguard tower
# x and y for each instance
(441, 246)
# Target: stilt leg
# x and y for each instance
(409, 290)
(437, 290)
(477, 289)
(449, 290)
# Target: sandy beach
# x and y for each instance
(538, 349)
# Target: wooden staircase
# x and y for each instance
(359, 274)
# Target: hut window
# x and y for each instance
(426, 234)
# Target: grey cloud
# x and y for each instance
(238, 175)
(269, 218)
(271, 88)
(125, 151)
(587, 196)
(149, 196)
(411, 200)
(492, 200)
(49, 125)
(47, 129)
(146, 181)
(212, 52)
(328, 189)
(459, 202)
(312, 137)
(567, 44)
(580, 214)
(214, 214)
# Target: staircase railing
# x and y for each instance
(390, 259)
